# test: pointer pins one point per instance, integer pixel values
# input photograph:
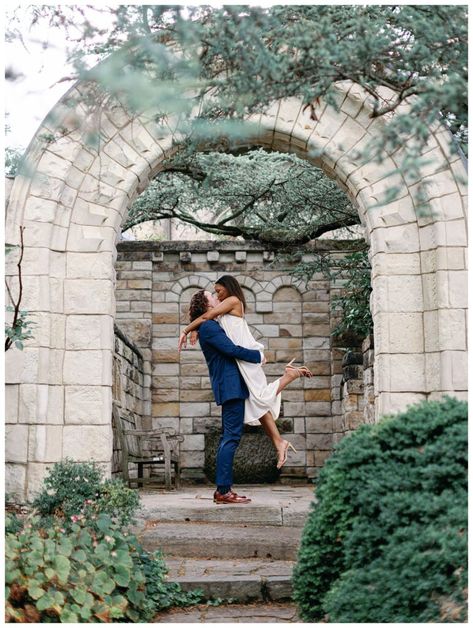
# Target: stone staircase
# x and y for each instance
(245, 552)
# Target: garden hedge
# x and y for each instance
(386, 540)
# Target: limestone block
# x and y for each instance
(169, 369)
(294, 409)
(74, 177)
(399, 332)
(113, 174)
(392, 403)
(88, 405)
(22, 366)
(452, 288)
(400, 373)
(11, 403)
(84, 442)
(397, 294)
(437, 185)
(194, 442)
(319, 425)
(88, 368)
(213, 256)
(452, 330)
(40, 403)
(45, 443)
(40, 209)
(37, 233)
(318, 408)
(395, 239)
(194, 409)
(85, 239)
(320, 441)
(53, 165)
(317, 342)
(89, 332)
(90, 265)
(240, 256)
(443, 258)
(15, 481)
(454, 370)
(314, 394)
(192, 459)
(45, 187)
(16, 443)
(165, 409)
(88, 296)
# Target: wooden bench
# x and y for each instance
(162, 450)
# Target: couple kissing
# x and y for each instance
(235, 361)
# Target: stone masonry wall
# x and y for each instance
(127, 391)
(155, 281)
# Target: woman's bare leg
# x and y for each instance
(271, 429)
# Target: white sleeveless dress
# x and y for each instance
(263, 396)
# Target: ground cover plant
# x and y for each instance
(387, 539)
(73, 558)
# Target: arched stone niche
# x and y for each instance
(73, 207)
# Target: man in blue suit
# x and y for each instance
(230, 391)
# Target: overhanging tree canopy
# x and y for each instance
(272, 197)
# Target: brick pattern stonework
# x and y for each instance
(128, 392)
(291, 319)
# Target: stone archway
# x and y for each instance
(73, 209)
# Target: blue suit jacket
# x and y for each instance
(220, 354)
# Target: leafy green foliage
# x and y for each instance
(67, 486)
(386, 541)
(13, 158)
(84, 567)
(161, 593)
(20, 330)
(272, 197)
(75, 490)
(239, 60)
(87, 574)
(353, 305)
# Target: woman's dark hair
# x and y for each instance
(233, 287)
(198, 305)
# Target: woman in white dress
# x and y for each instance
(264, 402)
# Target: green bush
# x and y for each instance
(387, 540)
(67, 486)
(74, 489)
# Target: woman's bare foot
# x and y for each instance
(293, 372)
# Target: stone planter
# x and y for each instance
(255, 459)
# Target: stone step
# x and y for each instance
(255, 613)
(213, 540)
(270, 506)
(242, 580)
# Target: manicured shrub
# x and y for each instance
(387, 540)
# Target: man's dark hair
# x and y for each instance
(198, 305)
(233, 287)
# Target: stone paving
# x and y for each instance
(244, 553)
(232, 614)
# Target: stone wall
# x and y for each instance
(155, 282)
(127, 391)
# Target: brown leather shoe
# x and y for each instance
(230, 498)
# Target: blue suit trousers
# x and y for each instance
(233, 413)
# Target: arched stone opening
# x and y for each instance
(73, 208)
